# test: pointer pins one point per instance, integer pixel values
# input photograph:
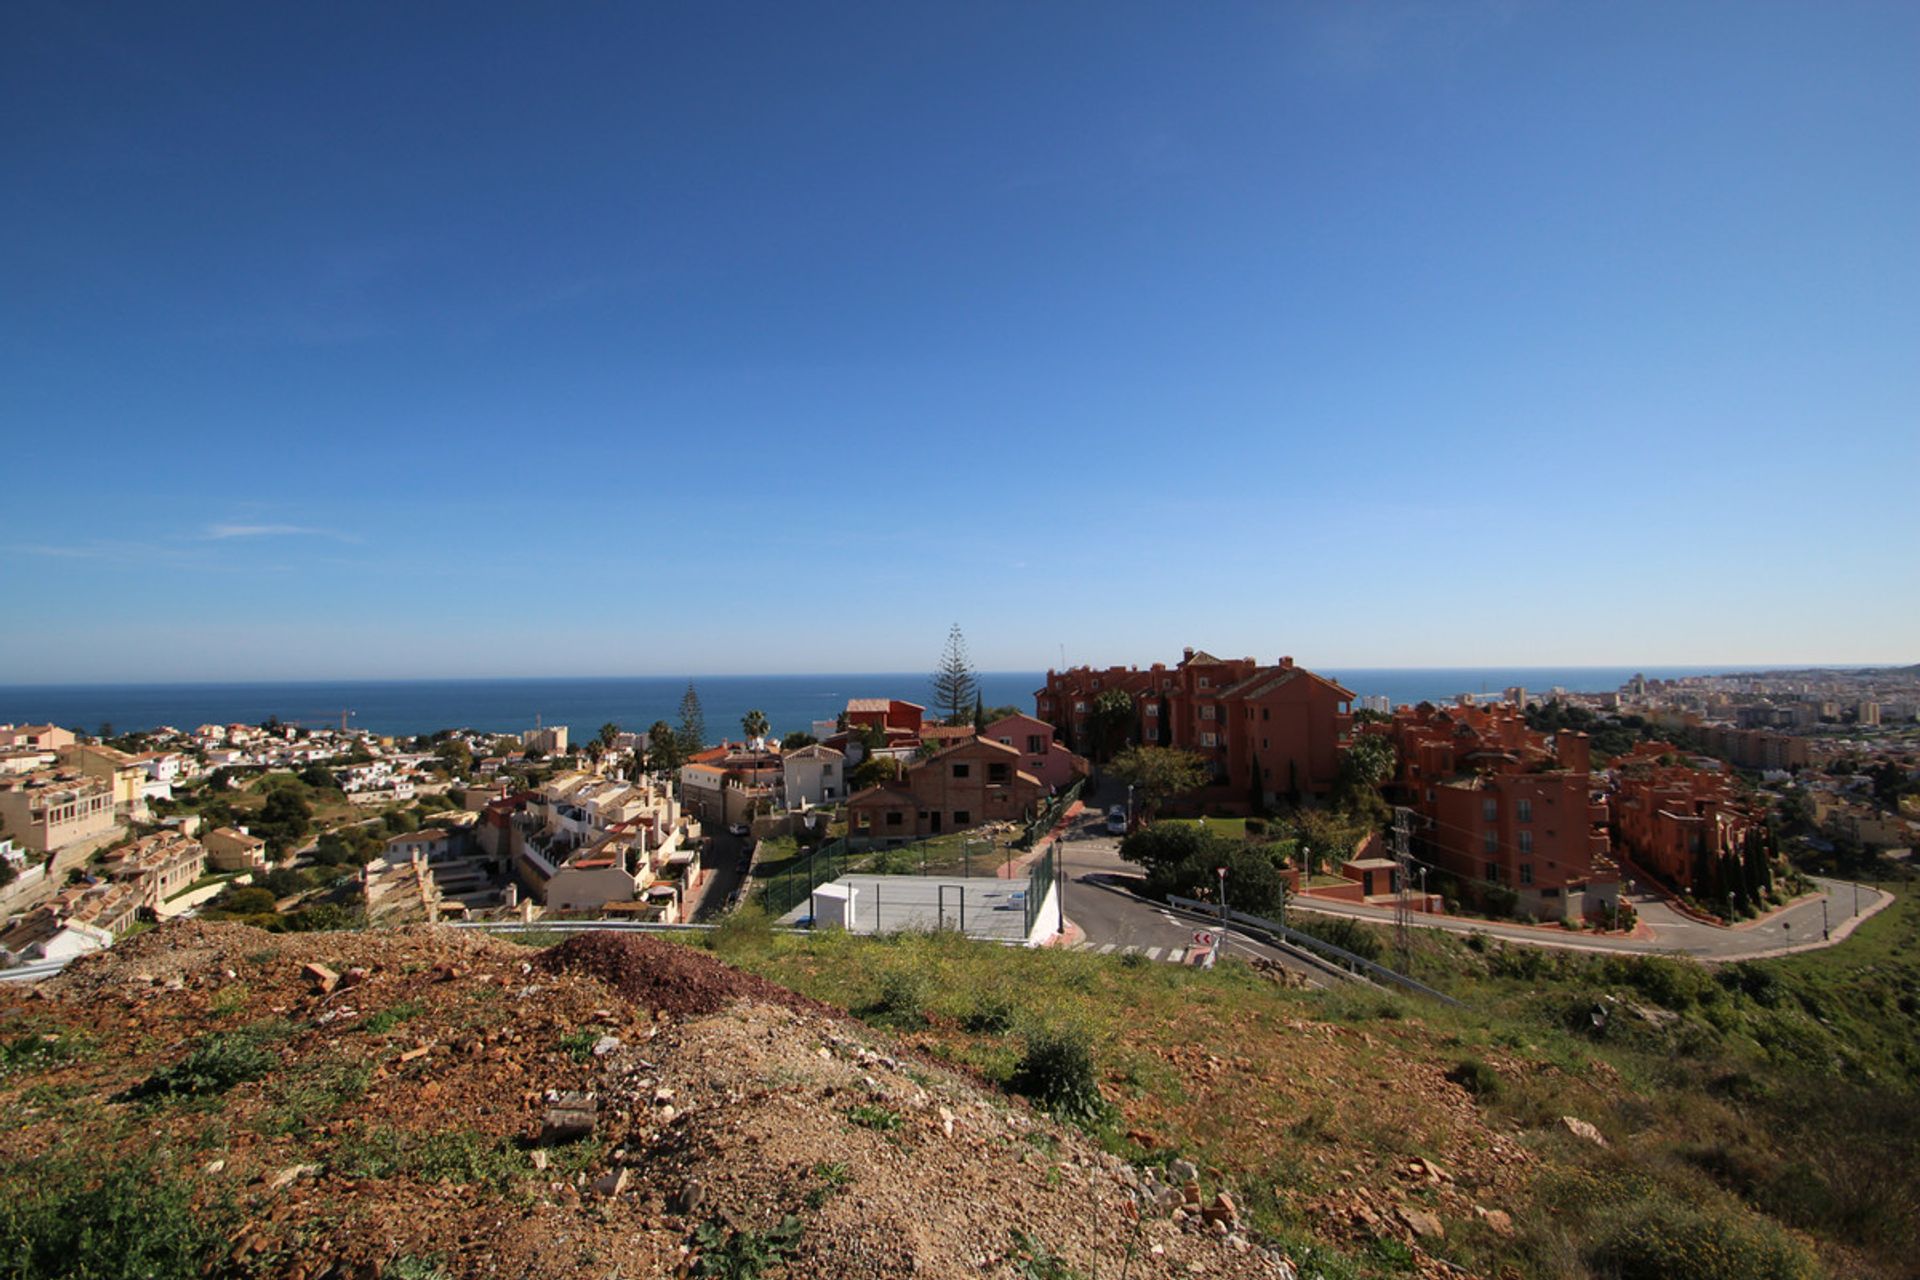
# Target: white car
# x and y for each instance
(739, 829)
(1117, 821)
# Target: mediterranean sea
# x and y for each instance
(634, 702)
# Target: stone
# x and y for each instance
(571, 1116)
(1423, 1224)
(323, 978)
(1581, 1129)
(946, 1121)
(539, 1158)
(606, 1045)
(1498, 1220)
(1183, 1171)
(418, 1051)
(354, 977)
(287, 1176)
(611, 1184)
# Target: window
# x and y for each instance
(828, 793)
(1206, 712)
(1207, 740)
(1079, 706)
(1523, 810)
(1490, 842)
(962, 770)
(1526, 842)
(1493, 872)
(1263, 744)
(1036, 745)
(893, 817)
(863, 820)
(1205, 682)
(1526, 873)
(996, 772)
(1265, 714)
(1007, 742)
(962, 818)
(1153, 708)
(1490, 809)
(826, 772)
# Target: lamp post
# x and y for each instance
(1424, 902)
(1129, 806)
(1222, 873)
(1825, 934)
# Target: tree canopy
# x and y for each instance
(1110, 724)
(1185, 859)
(692, 732)
(1157, 774)
(754, 725)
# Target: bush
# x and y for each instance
(1346, 934)
(217, 1062)
(1660, 1238)
(902, 999)
(1057, 1072)
(1477, 1078)
(134, 1222)
(992, 1013)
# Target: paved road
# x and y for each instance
(1114, 919)
(1110, 915)
(722, 857)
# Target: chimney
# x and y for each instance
(1187, 653)
(1286, 663)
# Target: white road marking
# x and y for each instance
(1176, 955)
(1106, 948)
(1153, 953)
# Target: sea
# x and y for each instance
(583, 704)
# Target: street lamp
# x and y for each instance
(1222, 873)
(1824, 933)
(1129, 806)
(1424, 904)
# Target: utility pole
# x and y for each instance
(1402, 922)
(1221, 947)
(1825, 933)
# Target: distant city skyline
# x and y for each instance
(364, 342)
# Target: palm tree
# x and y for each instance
(754, 725)
(608, 732)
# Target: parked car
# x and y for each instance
(739, 829)
(1117, 820)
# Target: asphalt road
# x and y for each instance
(722, 857)
(1101, 900)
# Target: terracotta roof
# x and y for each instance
(815, 751)
(869, 704)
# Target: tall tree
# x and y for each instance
(955, 683)
(754, 725)
(1157, 774)
(663, 748)
(693, 722)
(979, 712)
(1111, 723)
(608, 732)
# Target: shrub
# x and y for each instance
(1660, 1238)
(1476, 1077)
(992, 1013)
(744, 1255)
(902, 999)
(1341, 932)
(217, 1062)
(1057, 1072)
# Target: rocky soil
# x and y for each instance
(615, 1107)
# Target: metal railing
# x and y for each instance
(1354, 963)
(1057, 806)
(1039, 883)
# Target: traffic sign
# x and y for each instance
(1203, 939)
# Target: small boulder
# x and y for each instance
(1581, 1129)
(1422, 1223)
(324, 980)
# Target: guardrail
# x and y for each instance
(1307, 941)
(33, 972)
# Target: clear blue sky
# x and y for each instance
(469, 339)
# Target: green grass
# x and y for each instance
(69, 1219)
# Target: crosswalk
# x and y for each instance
(1168, 955)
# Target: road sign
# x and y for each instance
(1203, 939)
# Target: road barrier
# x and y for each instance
(1306, 941)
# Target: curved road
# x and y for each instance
(1101, 904)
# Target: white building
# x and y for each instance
(814, 775)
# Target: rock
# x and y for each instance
(606, 1045)
(662, 1096)
(323, 978)
(1497, 1220)
(666, 1115)
(611, 1184)
(287, 1176)
(418, 1051)
(539, 1158)
(946, 1121)
(1183, 1171)
(689, 1197)
(1422, 1224)
(354, 977)
(214, 1166)
(570, 1117)
(1581, 1129)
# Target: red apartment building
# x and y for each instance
(1676, 821)
(1277, 728)
(885, 713)
(964, 786)
(1501, 803)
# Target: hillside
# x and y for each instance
(1755, 1123)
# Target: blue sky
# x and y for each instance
(395, 340)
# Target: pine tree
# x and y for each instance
(979, 712)
(692, 733)
(955, 684)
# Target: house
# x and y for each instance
(47, 812)
(1276, 731)
(233, 849)
(552, 740)
(814, 775)
(1678, 822)
(732, 783)
(1502, 805)
(159, 865)
(44, 737)
(885, 714)
(962, 787)
(429, 844)
(1041, 754)
(122, 772)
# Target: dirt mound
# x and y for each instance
(383, 1104)
(664, 976)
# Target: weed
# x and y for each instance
(578, 1045)
(744, 1255)
(835, 1176)
(871, 1115)
(902, 1000)
(230, 999)
(992, 1013)
(1033, 1260)
(1661, 1237)
(1057, 1072)
(217, 1062)
(39, 1051)
(1133, 960)
(1477, 1078)
(387, 1019)
(74, 1219)
(407, 1267)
